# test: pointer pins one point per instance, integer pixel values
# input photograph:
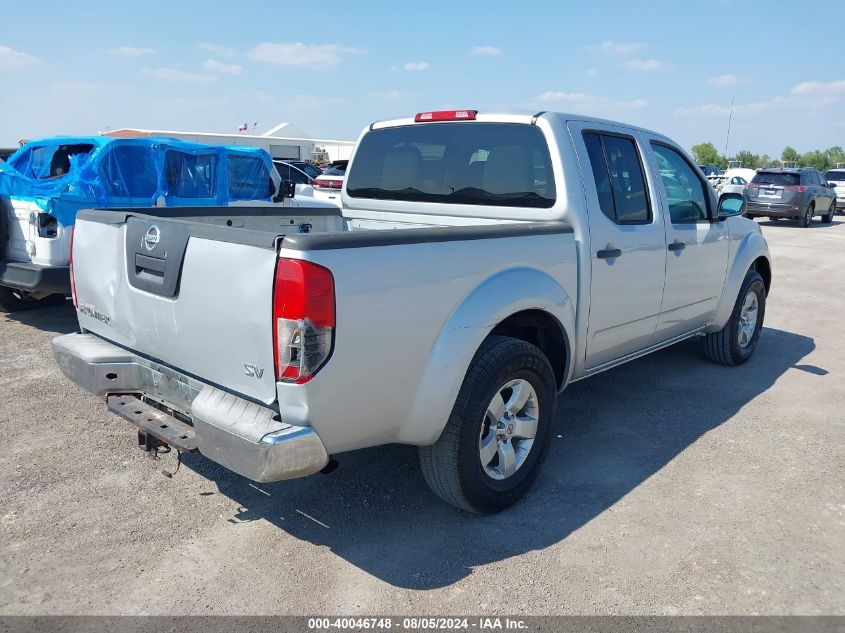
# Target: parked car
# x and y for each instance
(327, 185)
(710, 170)
(474, 271)
(797, 194)
(45, 183)
(733, 184)
(836, 177)
(289, 171)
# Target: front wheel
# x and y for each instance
(14, 300)
(735, 343)
(498, 433)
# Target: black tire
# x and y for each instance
(807, 218)
(12, 300)
(723, 347)
(827, 219)
(452, 466)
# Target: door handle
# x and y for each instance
(677, 246)
(609, 253)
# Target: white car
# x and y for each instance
(731, 184)
(837, 178)
(327, 186)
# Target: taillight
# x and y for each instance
(752, 185)
(321, 183)
(303, 319)
(446, 115)
(70, 265)
(798, 188)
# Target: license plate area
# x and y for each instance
(153, 421)
(766, 192)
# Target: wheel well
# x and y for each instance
(541, 330)
(762, 266)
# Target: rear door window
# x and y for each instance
(249, 178)
(190, 175)
(129, 172)
(835, 176)
(496, 164)
(619, 179)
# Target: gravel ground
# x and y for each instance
(673, 486)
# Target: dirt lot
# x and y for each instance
(673, 487)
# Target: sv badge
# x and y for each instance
(253, 372)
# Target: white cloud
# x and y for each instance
(132, 51)
(417, 66)
(212, 65)
(718, 110)
(10, 58)
(182, 76)
(591, 104)
(302, 55)
(622, 49)
(820, 88)
(220, 51)
(486, 51)
(641, 65)
(725, 81)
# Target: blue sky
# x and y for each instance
(332, 68)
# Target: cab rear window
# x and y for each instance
(497, 164)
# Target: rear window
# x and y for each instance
(340, 170)
(498, 164)
(190, 175)
(48, 161)
(835, 175)
(775, 178)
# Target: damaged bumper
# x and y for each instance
(247, 438)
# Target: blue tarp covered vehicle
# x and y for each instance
(45, 183)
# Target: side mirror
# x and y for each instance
(831, 185)
(287, 189)
(731, 204)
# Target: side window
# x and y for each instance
(130, 172)
(685, 191)
(248, 177)
(190, 175)
(618, 174)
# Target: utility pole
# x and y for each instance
(730, 118)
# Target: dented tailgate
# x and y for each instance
(194, 296)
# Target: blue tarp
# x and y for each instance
(65, 174)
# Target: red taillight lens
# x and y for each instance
(322, 183)
(446, 115)
(798, 188)
(303, 319)
(752, 185)
(70, 265)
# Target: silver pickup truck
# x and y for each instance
(479, 264)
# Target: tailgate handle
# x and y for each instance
(147, 264)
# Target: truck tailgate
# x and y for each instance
(194, 296)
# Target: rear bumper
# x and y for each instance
(245, 437)
(34, 278)
(773, 210)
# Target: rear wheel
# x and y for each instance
(808, 217)
(735, 343)
(498, 433)
(14, 300)
(827, 219)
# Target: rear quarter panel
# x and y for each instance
(409, 319)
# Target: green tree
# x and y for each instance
(835, 155)
(705, 154)
(790, 155)
(817, 159)
(749, 160)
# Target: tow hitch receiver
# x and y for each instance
(153, 423)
